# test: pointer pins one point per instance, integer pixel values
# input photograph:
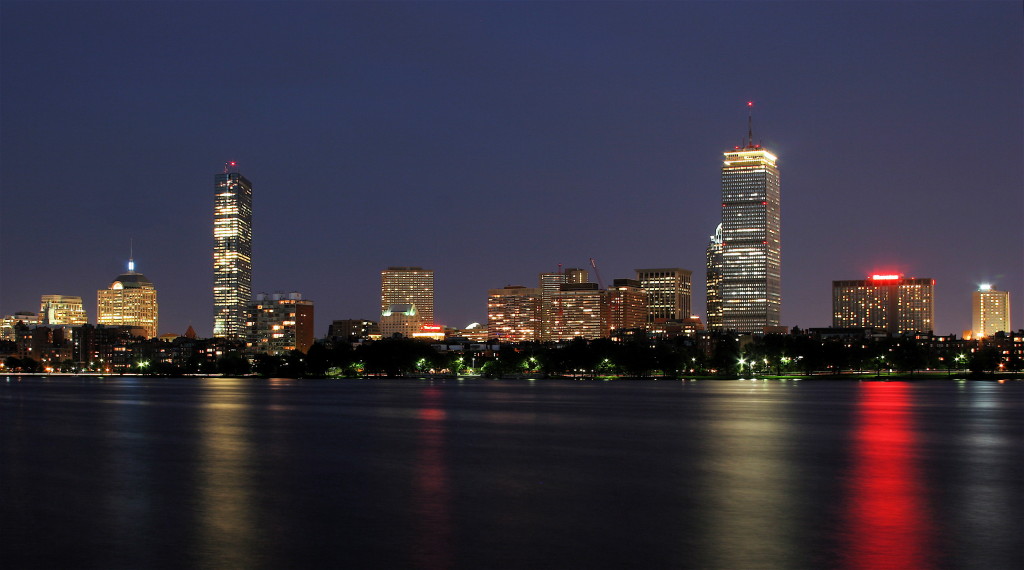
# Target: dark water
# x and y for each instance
(226, 473)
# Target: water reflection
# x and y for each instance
(226, 522)
(751, 512)
(887, 523)
(431, 494)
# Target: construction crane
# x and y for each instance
(597, 273)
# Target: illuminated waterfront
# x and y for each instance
(141, 472)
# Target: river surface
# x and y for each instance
(245, 473)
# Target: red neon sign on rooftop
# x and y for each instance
(889, 277)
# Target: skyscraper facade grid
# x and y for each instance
(232, 253)
(668, 292)
(129, 301)
(408, 285)
(891, 302)
(751, 240)
(990, 311)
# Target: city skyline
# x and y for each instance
(500, 141)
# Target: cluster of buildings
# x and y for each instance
(743, 277)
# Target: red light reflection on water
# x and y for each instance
(431, 496)
(887, 524)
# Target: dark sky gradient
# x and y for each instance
(492, 141)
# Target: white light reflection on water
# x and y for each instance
(749, 478)
(226, 529)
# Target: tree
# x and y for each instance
(233, 364)
(985, 359)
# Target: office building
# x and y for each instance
(514, 313)
(990, 311)
(579, 310)
(129, 301)
(9, 322)
(751, 242)
(400, 319)
(576, 275)
(714, 280)
(628, 304)
(408, 286)
(668, 293)
(279, 323)
(232, 253)
(62, 310)
(549, 284)
(351, 330)
(891, 302)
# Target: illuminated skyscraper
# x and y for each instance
(714, 281)
(129, 301)
(990, 312)
(668, 293)
(408, 285)
(751, 242)
(891, 302)
(232, 252)
(62, 310)
(549, 284)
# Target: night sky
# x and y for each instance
(493, 141)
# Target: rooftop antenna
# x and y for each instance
(131, 254)
(750, 123)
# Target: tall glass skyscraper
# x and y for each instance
(232, 252)
(751, 244)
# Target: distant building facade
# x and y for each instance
(579, 310)
(402, 319)
(408, 286)
(514, 313)
(714, 281)
(351, 329)
(129, 301)
(62, 310)
(232, 253)
(549, 284)
(27, 318)
(576, 275)
(668, 293)
(279, 323)
(990, 311)
(628, 305)
(751, 239)
(894, 303)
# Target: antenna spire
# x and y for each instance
(131, 254)
(750, 123)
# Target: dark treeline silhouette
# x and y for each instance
(714, 355)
